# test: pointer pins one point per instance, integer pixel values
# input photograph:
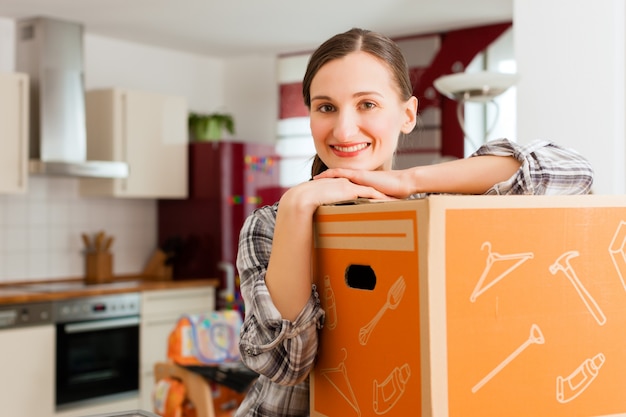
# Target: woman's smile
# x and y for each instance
(349, 150)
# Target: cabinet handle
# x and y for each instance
(22, 140)
(90, 326)
(124, 107)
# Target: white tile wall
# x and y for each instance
(40, 231)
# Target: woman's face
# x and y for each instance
(357, 113)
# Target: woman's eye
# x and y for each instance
(367, 105)
(325, 108)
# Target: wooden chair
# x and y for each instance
(198, 389)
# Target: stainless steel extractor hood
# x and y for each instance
(50, 51)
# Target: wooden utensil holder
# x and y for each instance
(99, 267)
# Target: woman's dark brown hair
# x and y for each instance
(340, 45)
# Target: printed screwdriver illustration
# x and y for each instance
(535, 338)
(394, 296)
(492, 258)
(562, 264)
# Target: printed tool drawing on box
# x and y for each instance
(492, 258)
(562, 264)
(394, 296)
(570, 387)
(388, 392)
(338, 378)
(617, 251)
(535, 338)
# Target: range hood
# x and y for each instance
(50, 51)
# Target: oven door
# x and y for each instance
(96, 359)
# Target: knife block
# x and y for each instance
(98, 267)
(156, 268)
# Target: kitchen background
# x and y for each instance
(39, 231)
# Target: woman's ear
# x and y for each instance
(411, 115)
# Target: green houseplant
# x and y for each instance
(210, 126)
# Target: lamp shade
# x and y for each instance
(474, 86)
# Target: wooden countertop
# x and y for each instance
(37, 291)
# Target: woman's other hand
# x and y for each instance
(313, 194)
(395, 184)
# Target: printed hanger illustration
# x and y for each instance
(562, 264)
(338, 378)
(492, 258)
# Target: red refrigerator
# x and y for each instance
(227, 181)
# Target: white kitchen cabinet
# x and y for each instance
(147, 131)
(27, 369)
(13, 133)
(160, 310)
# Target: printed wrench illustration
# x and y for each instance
(562, 264)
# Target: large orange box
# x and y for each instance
(472, 306)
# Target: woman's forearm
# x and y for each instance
(288, 277)
(463, 176)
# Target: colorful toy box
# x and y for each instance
(456, 306)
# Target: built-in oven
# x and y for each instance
(97, 348)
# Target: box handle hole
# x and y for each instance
(361, 277)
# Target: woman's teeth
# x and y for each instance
(353, 148)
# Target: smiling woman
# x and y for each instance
(358, 92)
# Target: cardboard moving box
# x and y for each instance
(472, 306)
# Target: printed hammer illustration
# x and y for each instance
(562, 264)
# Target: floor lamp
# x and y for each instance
(475, 87)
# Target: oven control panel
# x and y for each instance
(21, 315)
(97, 307)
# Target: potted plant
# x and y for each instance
(210, 126)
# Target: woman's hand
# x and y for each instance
(390, 183)
(318, 192)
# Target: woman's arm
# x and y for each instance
(281, 350)
(498, 167)
(546, 168)
(282, 310)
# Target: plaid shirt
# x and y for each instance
(283, 352)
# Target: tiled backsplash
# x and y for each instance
(40, 231)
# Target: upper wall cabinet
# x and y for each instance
(13, 133)
(147, 131)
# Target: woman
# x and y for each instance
(360, 100)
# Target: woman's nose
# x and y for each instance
(346, 125)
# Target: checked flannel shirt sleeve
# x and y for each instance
(281, 350)
(547, 169)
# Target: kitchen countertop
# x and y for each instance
(29, 292)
